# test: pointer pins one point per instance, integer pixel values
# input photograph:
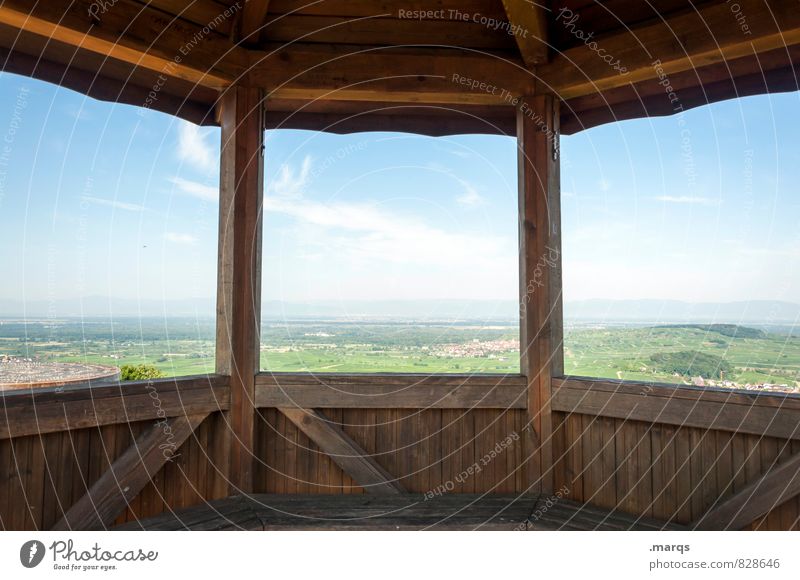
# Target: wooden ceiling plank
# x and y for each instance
(146, 38)
(706, 36)
(424, 75)
(379, 30)
(360, 8)
(254, 15)
(528, 20)
(197, 11)
(137, 35)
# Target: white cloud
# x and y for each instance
(178, 238)
(194, 148)
(196, 189)
(124, 206)
(687, 199)
(470, 197)
(461, 153)
(366, 249)
(289, 183)
(365, 231)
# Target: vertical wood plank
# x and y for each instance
(239, 278)
(541, 356)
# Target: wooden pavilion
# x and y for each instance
(252, 450)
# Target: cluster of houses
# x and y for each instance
(772, 387)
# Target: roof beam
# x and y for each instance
(174, 47)
(345, 452)
(706, 36)
(777, 485)
(254, 15)
(388, 74)
(529, 22)
(134, 34)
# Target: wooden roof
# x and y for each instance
(427, 66)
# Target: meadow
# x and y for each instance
(651, 353)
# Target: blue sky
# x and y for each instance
(100, 199)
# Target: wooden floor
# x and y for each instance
(405, 512)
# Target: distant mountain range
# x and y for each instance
(609, 311)
(762, 312)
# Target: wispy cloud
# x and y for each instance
(194, 147)
(291, 183)
(178, 238)
(687, 199)
(196, 189)
(366, 231)
(470, 197)
(461, 153)
(78, 113)
(124, 206)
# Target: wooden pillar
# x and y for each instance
(239, 273)
(541, 323)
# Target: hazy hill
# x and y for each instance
(610, 311)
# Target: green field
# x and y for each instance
(726, 355)
(401, 347)
(626, 352)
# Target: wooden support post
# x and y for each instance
(239, 275)
(131, 471)
(539, 276)
(345, 452)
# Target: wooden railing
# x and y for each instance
(768, 414)
(391, 391)
(38, 411)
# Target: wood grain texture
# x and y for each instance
(40, 411)
(530, 32)
(101, 504)
(385, 391)
(684, 42)
(541, 356)
(780, 482)
(345, 452)
(405, 512)
(241, 186)
(770, 415)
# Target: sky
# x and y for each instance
(99, 199)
